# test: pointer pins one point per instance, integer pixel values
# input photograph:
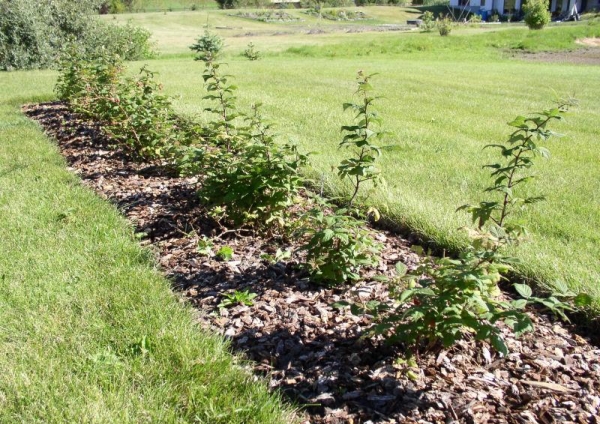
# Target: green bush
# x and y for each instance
(34, 33)
(228, 4)
(428, 24)
(251, 53)
(445, 25)
(207, 46)
(119, 6)
(132, 111)
(338, 245)
(255, 185)
(537, 15)
(360, 138)
(446, 299)
(249, 179)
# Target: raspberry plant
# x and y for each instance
(142, 120)
(249, 179)
(448, 298)
(222, 130)
(257, 184)
(338, 245)
(428, 23)
(519, 153)
(360, 138)
(452, 297)
(132, 111)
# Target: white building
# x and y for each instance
(510, 6)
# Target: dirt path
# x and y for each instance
(590, 55)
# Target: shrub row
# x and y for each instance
(131, 110)
(250, 181)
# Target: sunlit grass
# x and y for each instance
(174, 32)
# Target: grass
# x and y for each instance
(445, 98)
(172, 5)
(89, 330)
(174, 32)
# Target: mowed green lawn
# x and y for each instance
(443, 100)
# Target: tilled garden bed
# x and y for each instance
(320, 356)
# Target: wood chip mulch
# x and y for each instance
(317, 355)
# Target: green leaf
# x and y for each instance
(406, 294)
(519, 304)
(417, 249)
(327, 235)
(519, 122)
(381, 278)
(225, 253)
(522, 325)
(401, 269)
(498, 343)
(524, 290)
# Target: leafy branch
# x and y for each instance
(360, 137)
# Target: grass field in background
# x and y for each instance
(143, 6)
(89, 330)
(444, 99)
(174, 32)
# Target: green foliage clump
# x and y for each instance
(320, 4)
(248, 178)
(251, 53)
(475, 19)
(132, 111)
(452, 297)
(448, 299)
(428, 24)
(537, 15)
(119, 6)
(255, 183)
(338, 15)
(87, 82)
(33, 33)
(238, 297)
(208, 47)
(141, 119)
(228, 4)
(338, 245)
(444, 25)
(519, 152)
(267, 16)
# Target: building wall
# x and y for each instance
(489, 5)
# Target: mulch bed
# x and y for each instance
(317, 355)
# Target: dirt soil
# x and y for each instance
(589, 55)
(313, 353)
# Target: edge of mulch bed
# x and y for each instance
(317, 355)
